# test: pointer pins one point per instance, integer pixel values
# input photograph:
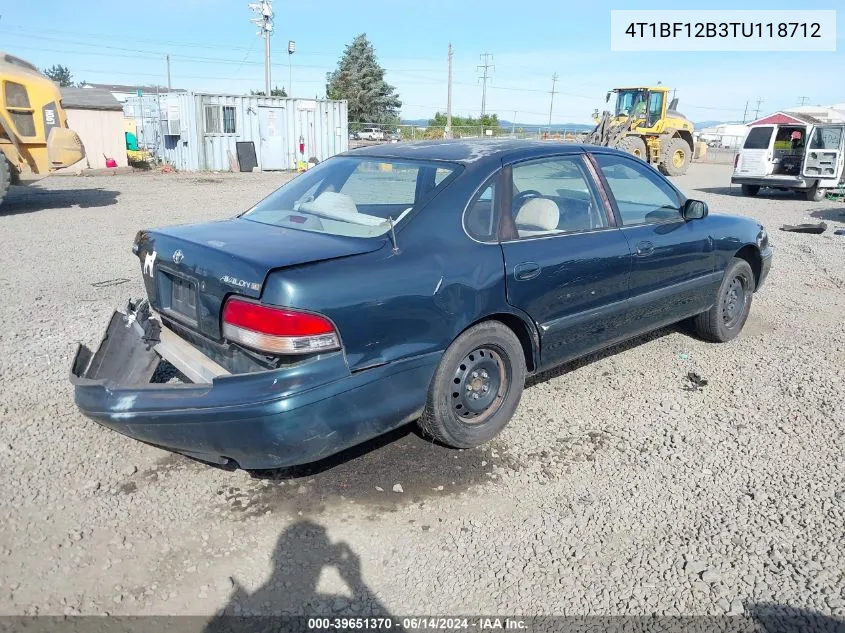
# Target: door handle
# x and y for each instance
(644, 248)
(526, 271)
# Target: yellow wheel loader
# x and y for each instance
(644, 125)
(34, 136)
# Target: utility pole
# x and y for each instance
(168, 72)
(552, 104)
(448, 133)
(513, 124)
(745, 112)
(803, 100)
(485, 57)
(264, 22)
(757, 111)
(291, 51)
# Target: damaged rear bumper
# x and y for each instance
(267, 419)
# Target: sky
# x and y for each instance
(214, 48)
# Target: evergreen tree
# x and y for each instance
(60, 74)
(359, 79)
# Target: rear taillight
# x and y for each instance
(736, 161)
(277, 330)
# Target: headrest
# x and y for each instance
(538, 213)
(332, 204)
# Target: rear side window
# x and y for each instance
(480, 217)
(758, 138)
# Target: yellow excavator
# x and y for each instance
(34, 135)
(643, 124)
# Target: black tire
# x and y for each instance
(724, 321)
(676, 155)
(633, 145)
(5, 176)
(750, 190)
(815, 194)
(476, 387)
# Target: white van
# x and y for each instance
(791, 156)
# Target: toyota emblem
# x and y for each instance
(177, 256)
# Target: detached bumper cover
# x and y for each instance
(268, 419)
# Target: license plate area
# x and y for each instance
(178, 296)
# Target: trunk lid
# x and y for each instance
(189, 270)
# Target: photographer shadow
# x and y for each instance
(301, 554)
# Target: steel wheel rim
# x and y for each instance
(479, 385)
(733, 303)
(678, 158)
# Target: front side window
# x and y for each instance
(655, 105)
(642, 196)
(554, 195)
(354, 197)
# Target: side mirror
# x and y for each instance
(607, 98)
(694, 210)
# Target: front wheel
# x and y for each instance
(5, 176)
(476, 387)
(724, 321)
(676, 156)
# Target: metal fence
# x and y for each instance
(362, 132)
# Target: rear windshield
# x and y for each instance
(758, 138)
(355, 197)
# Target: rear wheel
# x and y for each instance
(675, 157)
(815, 194)
(633, 145)
(5, 176)
(750, 190)
(725, 319)
(476, 387)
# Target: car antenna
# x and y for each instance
(393, 235)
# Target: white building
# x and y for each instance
(728, 135)
(197, 131)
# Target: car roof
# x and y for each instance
(472, 150)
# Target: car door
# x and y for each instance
(673, 262)
(755, 157)
(823, 158)
(566, 262)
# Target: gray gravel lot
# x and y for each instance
(615, 490)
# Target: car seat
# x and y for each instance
(537, 216)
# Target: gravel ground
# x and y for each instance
(618, 488)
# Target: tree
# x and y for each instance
(359, 79)
(464, 125)
(60, 74)
(274, 92)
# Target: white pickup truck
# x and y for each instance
(371, 134)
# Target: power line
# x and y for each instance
(485, 57)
